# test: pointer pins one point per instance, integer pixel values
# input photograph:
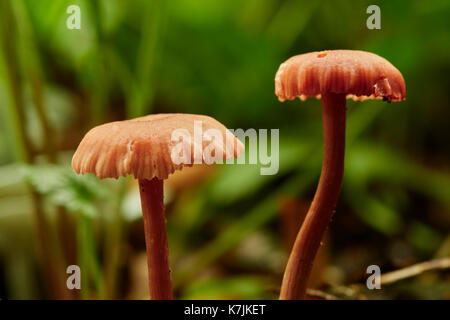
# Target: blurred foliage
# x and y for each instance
(219, 58)
(62, 187)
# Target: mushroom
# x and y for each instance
(145, 148)
(333, 76)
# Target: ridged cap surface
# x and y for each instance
(359, 74)
(143, 146)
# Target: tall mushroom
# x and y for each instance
(334, 76)
(148, 148)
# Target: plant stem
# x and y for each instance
(34, 76)
(322, 207)
(152, 196)
(29, 56)
(112, 245)
(51, 268)
(91, 280)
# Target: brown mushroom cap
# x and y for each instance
(142, 146)
(359, 74)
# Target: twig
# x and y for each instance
(414, 270)
(352, 291)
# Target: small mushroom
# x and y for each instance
(144, 147)
(334, 76)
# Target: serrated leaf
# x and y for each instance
(61, 186)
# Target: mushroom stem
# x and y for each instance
(152, 195)
(322, 207)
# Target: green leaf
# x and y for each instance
(61, 186)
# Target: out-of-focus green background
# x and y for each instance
(230, 229)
